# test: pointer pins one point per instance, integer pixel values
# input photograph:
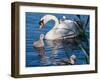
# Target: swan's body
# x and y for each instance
(66, 28)
(39, 43)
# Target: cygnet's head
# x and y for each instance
(73, 57)
(42, 36)
(64, 17)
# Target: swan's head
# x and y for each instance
(43, 21)
(47, 18)
(73, 57)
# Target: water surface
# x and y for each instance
(53, 55)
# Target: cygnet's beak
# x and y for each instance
(41, 23)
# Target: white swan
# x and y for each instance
(66, 28)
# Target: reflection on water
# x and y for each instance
(58, 48)
(62, 45)
(58, 52)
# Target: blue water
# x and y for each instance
(53, 56)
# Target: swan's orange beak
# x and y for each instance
(41, 23)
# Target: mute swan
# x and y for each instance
(66, 28)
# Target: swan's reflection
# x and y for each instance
(54, 45)
(67, 45)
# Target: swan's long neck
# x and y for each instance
(51, 17)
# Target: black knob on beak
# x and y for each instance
(41, 22)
